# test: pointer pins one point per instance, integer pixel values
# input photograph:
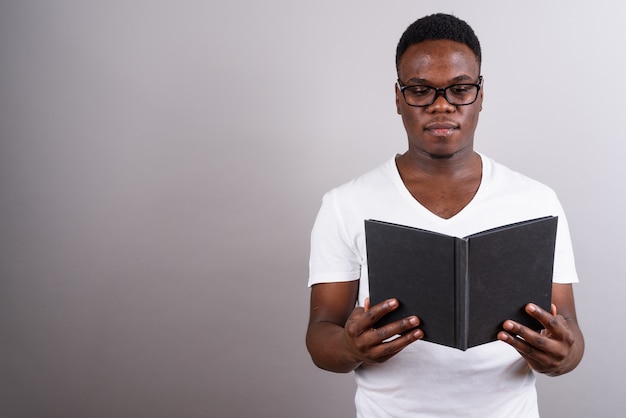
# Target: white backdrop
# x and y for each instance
(162, 162)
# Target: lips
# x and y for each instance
(441, 128)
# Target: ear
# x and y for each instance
(398, 98)
(480, 94)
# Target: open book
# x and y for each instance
(462, 289)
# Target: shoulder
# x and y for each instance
(503, 178)
(367, 184)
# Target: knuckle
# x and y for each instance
(381, 333)
(351, 329)
(371, 316)
(540, 341)
(360, 346)
(554, 322)
(558, 358)
(387, 352)
(552, 365)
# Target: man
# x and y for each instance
(440, 184)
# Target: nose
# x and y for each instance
(441, 104)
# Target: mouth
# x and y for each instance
(441, 128)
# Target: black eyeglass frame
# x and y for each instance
(442, 92)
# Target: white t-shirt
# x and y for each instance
(426, 379)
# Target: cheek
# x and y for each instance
(474, 117)
(470, 116)
(409, 118)
(411, 124)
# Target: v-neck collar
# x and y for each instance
(424, 211)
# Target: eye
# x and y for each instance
(462, 89)
(419, 91)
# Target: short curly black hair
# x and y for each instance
(435, 27)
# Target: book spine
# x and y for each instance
(461, 296)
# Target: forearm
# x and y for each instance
(326, 344)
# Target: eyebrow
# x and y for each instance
(458, 79)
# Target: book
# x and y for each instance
(462, 289)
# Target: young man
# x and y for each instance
(440, 184)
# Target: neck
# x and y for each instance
(449, 167)
(444, 186)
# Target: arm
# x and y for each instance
(559, 347)
(341, 337)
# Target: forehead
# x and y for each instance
(438, 61)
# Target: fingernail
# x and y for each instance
(531, 307)
(413, 321)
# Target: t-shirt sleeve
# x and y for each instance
(334, 257)
(564, 263)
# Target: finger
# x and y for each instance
(389, 349)
(374, 313)
(397, 327)
(538, 359)
(366, 305)
(525, 349)
(547, 319)
(528, 342)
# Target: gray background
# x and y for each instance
(162, 162)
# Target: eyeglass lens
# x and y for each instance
(458, 94)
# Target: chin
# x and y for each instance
(447, 151)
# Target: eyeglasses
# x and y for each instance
(457, 94)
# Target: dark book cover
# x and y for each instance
(462, 289)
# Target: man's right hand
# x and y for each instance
(377, 345)
(341, 337)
